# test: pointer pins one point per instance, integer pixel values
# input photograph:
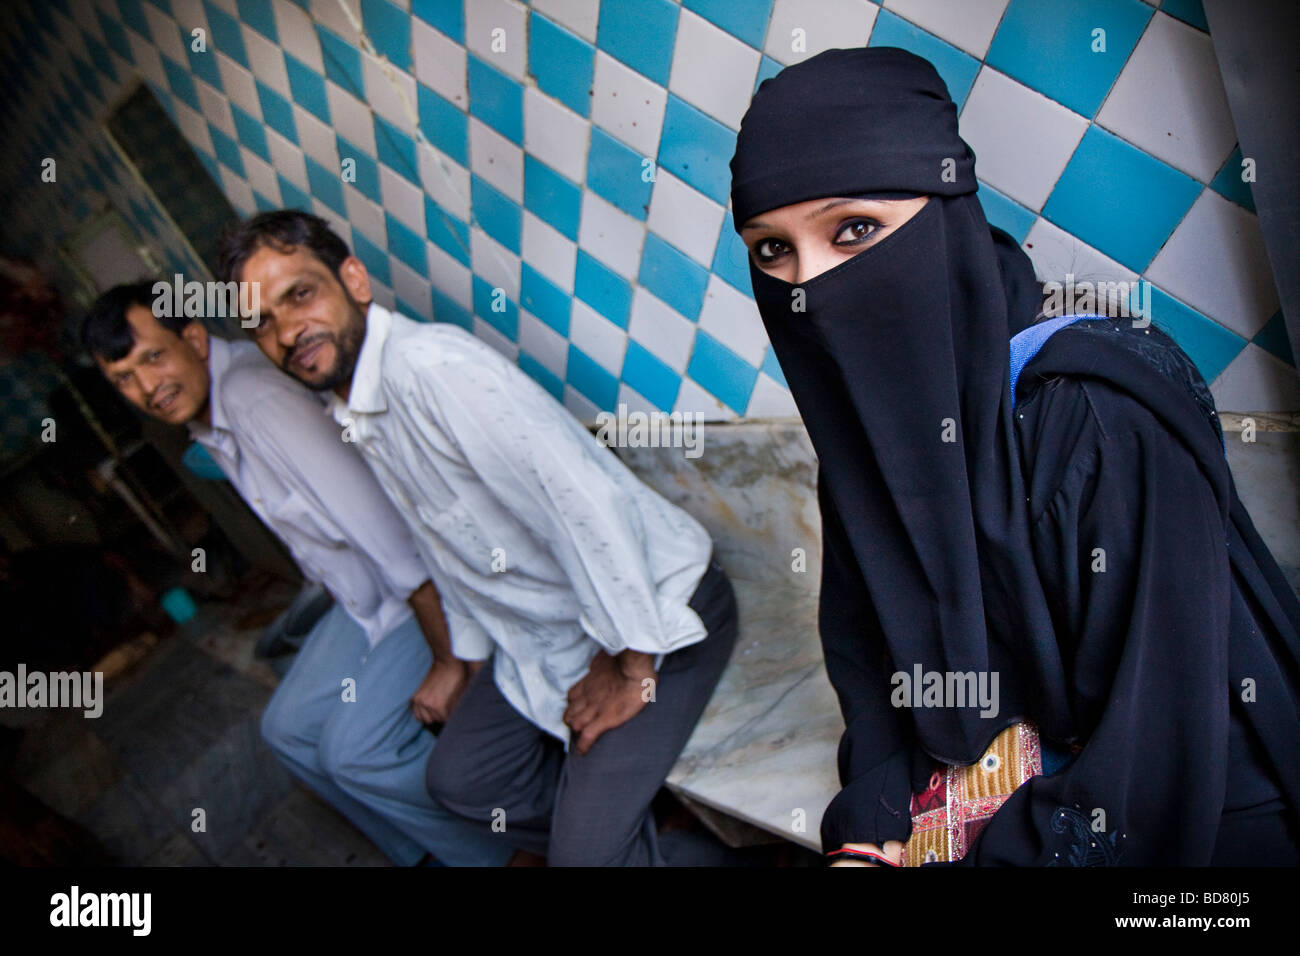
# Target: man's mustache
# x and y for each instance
(301, 346)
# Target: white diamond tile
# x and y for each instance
(627, 105)
(580, 16)
(968, 25)
(297, 34)
(266, 61)
(445, 181)
(351, 118)
(600, 338)
(494, 263)
(610, 235)
(1022, 139)
(661, 330)
(549, 251)
(496, 159)
(1169, 100)
(1256, 381)
(556, 135)
(712, 70)
(732, 318)
(495, 31)
(799, 29)
(543, 343)
(439, 62)
(685, 217)
(1216, 262)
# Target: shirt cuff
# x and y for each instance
(469, 641)
(874, 808)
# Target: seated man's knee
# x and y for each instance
(280, 728)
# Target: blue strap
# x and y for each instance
(1026, 343)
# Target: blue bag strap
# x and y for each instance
(1026, 343)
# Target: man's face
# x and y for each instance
(312, 323)
(164, 375)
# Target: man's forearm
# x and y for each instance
(427, 605)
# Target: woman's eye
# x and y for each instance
(858, 230)
(766, 250)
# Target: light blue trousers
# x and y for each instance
(367, 757)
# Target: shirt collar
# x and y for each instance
(366, 394)
(220, 353)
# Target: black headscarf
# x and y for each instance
(897, 349)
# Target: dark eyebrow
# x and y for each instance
(759, 224)
(293, 287)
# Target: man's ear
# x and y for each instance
(355, 278)
(197, 338)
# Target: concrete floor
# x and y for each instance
(178, 733)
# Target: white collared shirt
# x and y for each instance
(276, 443)
(542, 543)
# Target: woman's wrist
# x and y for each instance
(891, 853)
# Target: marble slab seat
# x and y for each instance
(761, 763)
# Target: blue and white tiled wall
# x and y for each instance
(500, 144)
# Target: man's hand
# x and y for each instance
(610, 695)
(440, 691)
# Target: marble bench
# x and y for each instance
(761, 763)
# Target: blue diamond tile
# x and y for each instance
(651, 377)
(496, 99)
(721, 372)
(132, 14)
(744, 19)
(396, 150)
(446, 15)
(614, 172)
(251, 132)
(1005, 213)
(1273, 338)
(203, 64)
(227, 150)
(181, 83)
(542, 375)
(496, 214)
(586, 375)
(1050, 46)
(445, 231)
(697, 149)
(563, 63)
(257, 14)
(551, 197)
(389, 29)
(308, 88)
(603, 289)
(731, 259)
(447, 309)
(372, 257)
(263, 204)
(1229, 184)
(225, 35)
(406, 244)
(444, 124)
(326, 186)
(277, 112)
(366, 169)
(342, 63)
(957, 68)
(673, 276)
(640, 33)
(544, 299)
(1206, 342)
(1189, 11)
(772, 368)
(294, 198)
(496, 309)
(1119, 200)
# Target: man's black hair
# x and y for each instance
(105, 331)
(281, 229)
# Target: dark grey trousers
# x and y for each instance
(576, 810)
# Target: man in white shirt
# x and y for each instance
(609, 622)
(347, 718)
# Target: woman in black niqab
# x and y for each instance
(961, 530)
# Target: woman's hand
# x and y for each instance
(892, 851)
